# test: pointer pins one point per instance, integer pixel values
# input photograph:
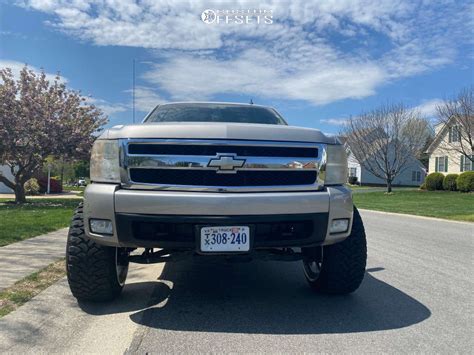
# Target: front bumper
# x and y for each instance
(171, 219)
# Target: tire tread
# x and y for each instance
(90, 267)
(344, 263)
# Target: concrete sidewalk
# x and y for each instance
(21, 259)
(68, 194)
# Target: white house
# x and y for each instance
(413, 175)
(5, 171)
(445, 151)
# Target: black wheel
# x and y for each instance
(338, 268)
(94, 272)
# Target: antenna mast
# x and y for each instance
(133, 90)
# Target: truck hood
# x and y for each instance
(211, 130)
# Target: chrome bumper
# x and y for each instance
(104, 201)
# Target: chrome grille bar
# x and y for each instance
(202, 162)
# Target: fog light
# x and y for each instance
(339, 225)
(101, 226)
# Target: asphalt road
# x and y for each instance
(417, 296)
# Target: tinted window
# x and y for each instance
(214, 113)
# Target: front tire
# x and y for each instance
(338, 268)
(94, 272)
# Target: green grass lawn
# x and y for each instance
(18, 222)
(357, 187)
(28, 287)
(442, 204)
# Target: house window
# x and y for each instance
(466, 163)
(352, 171)
(416, 176)
(441, 164)
(454, 135)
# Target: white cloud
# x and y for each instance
(107, 107)
(428, 108)
(315, 51)
(16, 68)
(146, 98)
(259, 72)
(148, 24)
(334, 121)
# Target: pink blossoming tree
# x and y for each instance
(39, 119)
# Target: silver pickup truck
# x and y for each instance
(227, 181)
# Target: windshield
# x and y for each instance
(202, 112)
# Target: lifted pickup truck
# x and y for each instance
(220, 180)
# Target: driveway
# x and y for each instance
(416, 297)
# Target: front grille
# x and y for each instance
(211, 150)
(221, 165)
(197, 177)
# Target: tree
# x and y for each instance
(457, 115)
(387, 139)
(61, 167)
(81, 169)
(38, 119)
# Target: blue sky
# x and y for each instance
(318, 62)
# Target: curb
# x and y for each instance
(419, 217)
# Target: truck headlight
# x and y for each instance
(336, 165)
(105, 165)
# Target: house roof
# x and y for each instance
(342, 139)
(373, 135)
(439, 136)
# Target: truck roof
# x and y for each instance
(213, 103)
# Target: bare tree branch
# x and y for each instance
(386, 139)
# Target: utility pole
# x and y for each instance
(133, 90)
(48, 190)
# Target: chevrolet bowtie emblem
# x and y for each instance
(226, 163)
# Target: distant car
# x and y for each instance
(82, 182)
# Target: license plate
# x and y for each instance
(225, 239)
